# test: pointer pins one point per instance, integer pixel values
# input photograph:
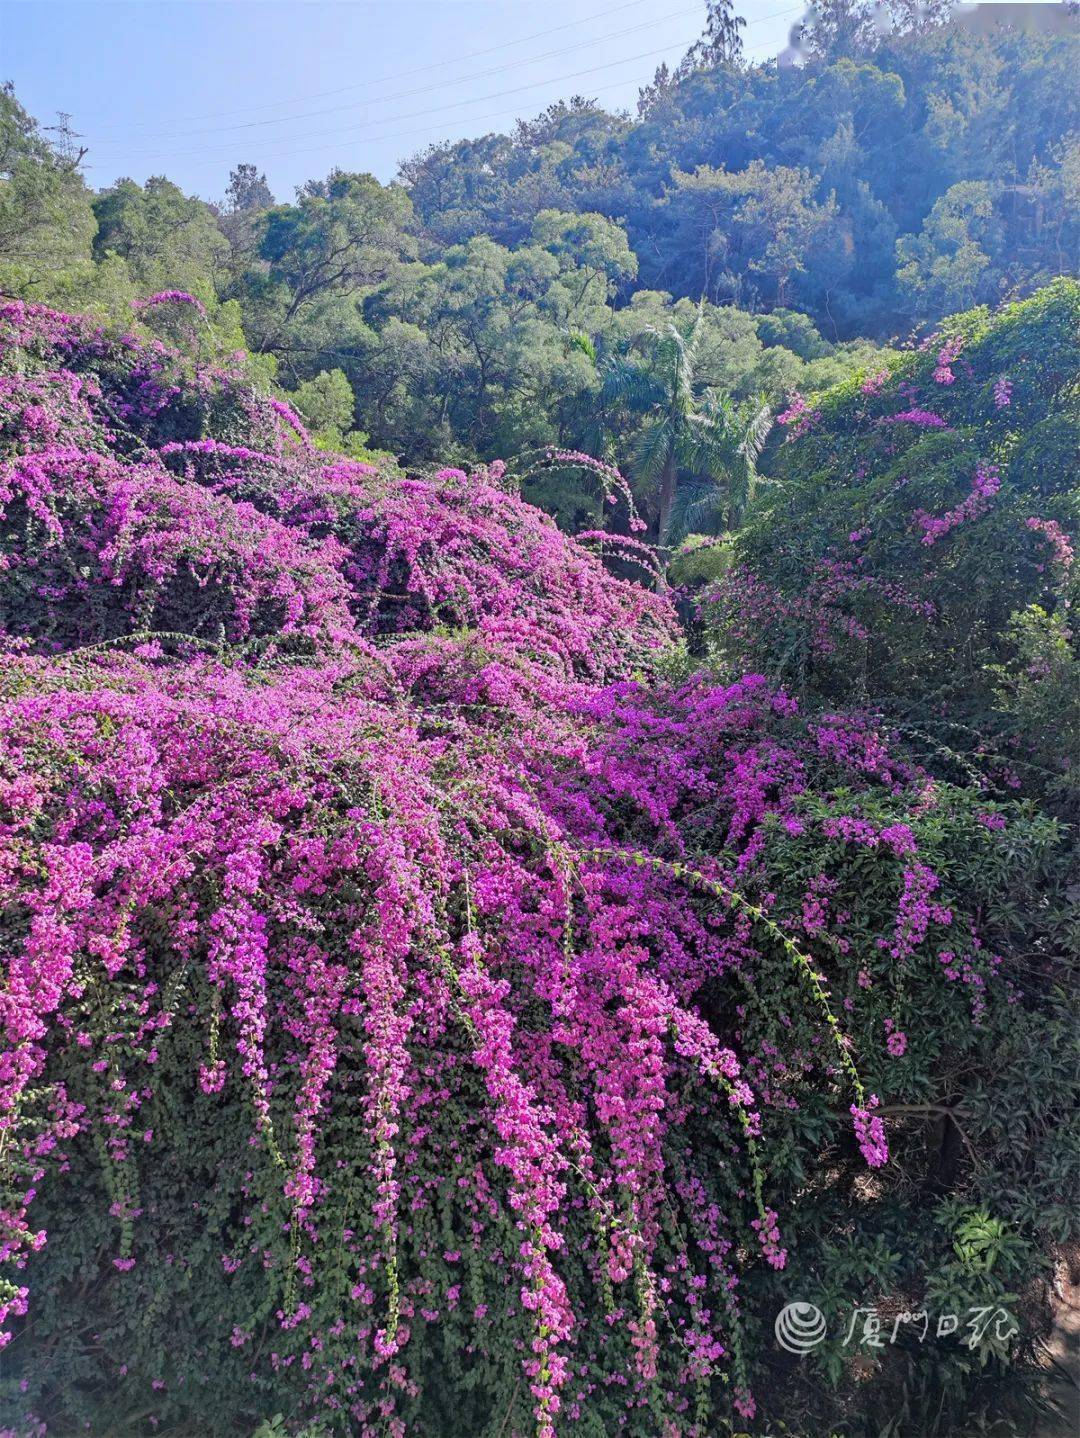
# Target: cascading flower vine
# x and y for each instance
(342, 825)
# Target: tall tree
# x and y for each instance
(46, 223)
(247, 190)
(166, 238)
(841, 29)
(343, 235)
(247, 199)
(949, 265)
(748, 233)
(721, 44)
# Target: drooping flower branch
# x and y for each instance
(342, 808)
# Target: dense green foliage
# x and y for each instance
(766, 187)
(475, 308)
(893, 581)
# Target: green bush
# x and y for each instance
(875, 572)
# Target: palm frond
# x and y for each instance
(706, 515)
(625, 382)
(706, 448)
(756, 432)
(579, 340)
(698, 509)
(652, 449)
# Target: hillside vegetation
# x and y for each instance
(481, 305)
(538, 740)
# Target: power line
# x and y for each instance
(405, 134)
(438, 109)
(399, 74)
(424, 89)
(427, 129)
(351, 132)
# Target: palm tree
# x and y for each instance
(706, 440)
(717, 488)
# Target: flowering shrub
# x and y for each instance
(420, 1014)
(945, 495)
(121, 515)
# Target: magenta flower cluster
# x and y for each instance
(984, 486)
(799, 417)
(171, 297)
(870, 1132)
(946, 358)
(921, 418)
(1060, 545)
(379, 769)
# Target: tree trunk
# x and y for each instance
(667, 498)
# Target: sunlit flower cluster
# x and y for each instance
(356, 789)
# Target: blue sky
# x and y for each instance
(190, 89)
